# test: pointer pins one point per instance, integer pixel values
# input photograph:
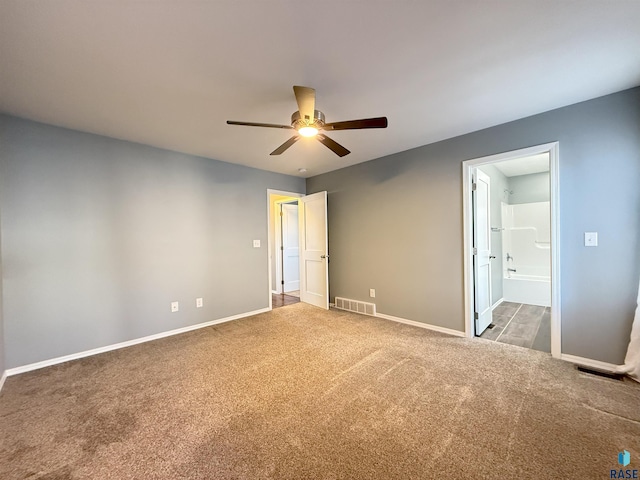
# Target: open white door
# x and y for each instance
(481, 250)
(314, 246)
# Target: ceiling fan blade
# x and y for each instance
(306, 98)
(252, 124)
(285, 145)
(332, 145)
(378, 122)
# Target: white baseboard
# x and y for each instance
(2, 379)
(435, 328)
(587, 362)
(497, 303)
(129, 343)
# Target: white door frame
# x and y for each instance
(553, 149)
(270, 233)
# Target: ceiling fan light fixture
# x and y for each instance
(308, 122)
(308, 131)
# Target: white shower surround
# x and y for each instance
(526, 238)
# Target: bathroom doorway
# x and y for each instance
(511, 254)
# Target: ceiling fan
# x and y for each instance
(309, 122)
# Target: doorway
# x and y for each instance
(287, 248)
(511, 239)
(277, 263)
(286, 254)
(298, 249)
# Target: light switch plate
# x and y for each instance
(590, 239)
(199, 303)
(256, 244)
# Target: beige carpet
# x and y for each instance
(299, 393)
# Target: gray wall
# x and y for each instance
(499, 183)
(529, 188)
(2, 343)
(395, 223)
(100, 235)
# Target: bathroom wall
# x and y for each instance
(529, 188)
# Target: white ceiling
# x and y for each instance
(524, 166)
(170, 73)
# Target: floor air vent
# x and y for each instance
(356, 306)
(600, 373)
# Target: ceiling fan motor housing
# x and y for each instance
(298, 122)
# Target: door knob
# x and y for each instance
(324, 256)
(491, 257)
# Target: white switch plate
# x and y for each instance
(256, 244)
(174, 307)
(199, 303)
(372, 292)
(590, 239)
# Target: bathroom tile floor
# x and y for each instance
(520, 324)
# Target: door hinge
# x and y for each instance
(281, 213)
(281, 247)
(475, 251)
(282, 282)
(475, 315)
(474, 186)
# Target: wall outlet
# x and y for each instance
(372, 292)
(199, 303)
(256, 244)
(174, 307)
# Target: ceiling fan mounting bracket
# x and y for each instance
(298, 122)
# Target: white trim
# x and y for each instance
(554, 179)
(497, 304)
(587, 362)
(467, 213)
(270, 232)
(2, 379)
(448, 331)
(129, 343)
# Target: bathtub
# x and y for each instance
(529, 289)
